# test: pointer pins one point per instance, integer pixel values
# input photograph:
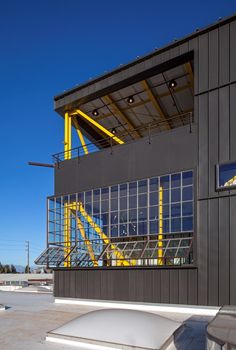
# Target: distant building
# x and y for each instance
(144, 209)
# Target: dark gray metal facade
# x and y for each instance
(212, 141)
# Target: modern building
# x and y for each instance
(144, 207)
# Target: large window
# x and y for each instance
(162, 204)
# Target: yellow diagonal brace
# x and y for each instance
(81, 137)
(99, 126)
(104, 237)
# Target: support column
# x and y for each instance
(160, 235)
(67, 136)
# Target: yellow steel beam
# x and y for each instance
(97, 125)
(122, 116)
(87, 242)
(81, 137)
(97, 228)
(160, 235)
(67, 136)
(155, 102)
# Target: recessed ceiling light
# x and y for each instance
(172, 84)
(95, 112)
(130, 99)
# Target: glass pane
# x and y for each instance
(166, 195)
(227, 175)
(175, 180)
(142, 214)
(142, 186)
(165, 225)
(105, 193)
(114, 191)
(96, 207)
(187, 223)
(133, 229)
(153, 213)
(187, 193)
(165, 211)
(142, 200)
(123, 216)
(187, 178)
(104, 206)
(88, 196)
(133, 202)
(153, 198)
(123, 203)
(114, 218)
(105, 219)
(176, 225)
(133, 215)
(175, 195)
(175, 210)
(96, 195)
(123, 230)
(164, 182)
(114, 231)
(187, 208)
(154, 227)
(114, 204)
(133, 188)
(142, 228)
(153, 184)
(123, 190)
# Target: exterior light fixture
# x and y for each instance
(130, 99)
(95, 112)
(113, 131)
(172, 84)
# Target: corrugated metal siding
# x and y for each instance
(148, 285)
(215, 117)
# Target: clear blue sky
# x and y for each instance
(48, 46)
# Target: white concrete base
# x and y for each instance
(172, 308)
(10, 288)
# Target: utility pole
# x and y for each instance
(27, 250)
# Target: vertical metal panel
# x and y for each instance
(148, 286)
(203, 62)
(202, 239)
(194, 45)
(183, 286)
(224, 54)
(72, 284)
(232, 51)
(224, 126)
(232, 252)
(213, 59)
(174, 287)
(156, 286)
(203, 146)
(232, 121)
(213, 139)
(213, 253)
(80, 284)
(224, 251)
(192, 287)
(183, 48)
(165, 286)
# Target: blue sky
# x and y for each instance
(48, 46)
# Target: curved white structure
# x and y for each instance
(116, 329)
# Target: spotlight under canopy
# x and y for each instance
(130, 99)
(95, 112)
(114, 131)
(172, 84)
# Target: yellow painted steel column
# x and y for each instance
(160, 235)
(81, 137)
(67, 136)
(66, 234)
